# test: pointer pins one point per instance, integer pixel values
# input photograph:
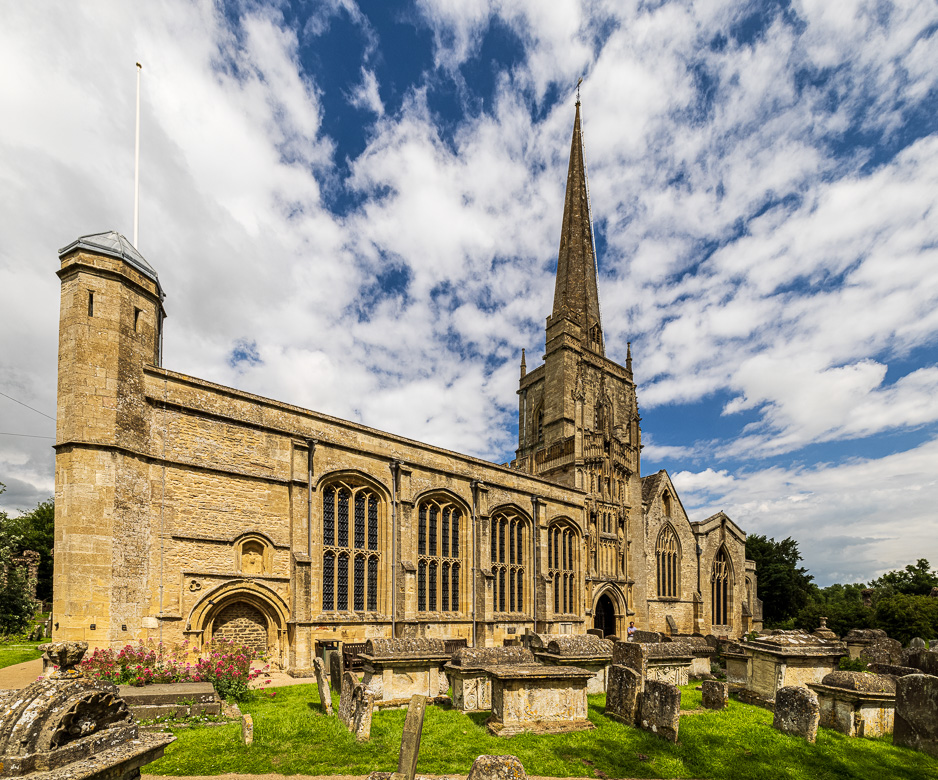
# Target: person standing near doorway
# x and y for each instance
(631, 631)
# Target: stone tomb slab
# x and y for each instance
(468, 674)
(586, 652)
(857, 704)
(539, 699)
(397, 669)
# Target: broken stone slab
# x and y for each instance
(410, 738)
(363, 705)
(345, 697)
(623, 694)
(661, 709)
(916, 724)
(797, 712)
(180, 699)
(247, 729)
(322, 682)
(715, 694)
(497, 768)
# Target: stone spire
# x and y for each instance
(576, 296)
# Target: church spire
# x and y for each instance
(576, 296)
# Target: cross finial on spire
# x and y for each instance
(578, 82)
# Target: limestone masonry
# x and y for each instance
(188, 510)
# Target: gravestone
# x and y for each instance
(497, 768)
(715, 694)
(623, 693)
(916, 720)
(661, 709)
(247, 729)
(797, 712)
(631, 654)
(647, 636)
(925, 661)
(325, 694)
(883, 650)
(363, 706)
(345, 697)
(410, 739)
(336, 669)
(917, 643)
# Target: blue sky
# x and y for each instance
(356, 207)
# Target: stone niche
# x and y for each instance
(759, 668)
(584, 651)
(468, 673)
(856, 703)
(538, 698)
(67, 727)
(396, 669)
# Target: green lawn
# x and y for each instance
(293, 736)
(19, 652)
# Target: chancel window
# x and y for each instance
(719, 589)
(561, 567)
(351, 556)
(509, 542)
(438, 555)
(668, 557)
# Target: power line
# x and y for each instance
(28, 407)
(27, 435)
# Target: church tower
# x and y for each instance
(578, 419)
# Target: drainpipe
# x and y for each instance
(474, 486)
(395, 466)
(311, 449)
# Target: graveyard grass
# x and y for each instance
(292, 735)
(18, 652)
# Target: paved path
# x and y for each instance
(20, 675)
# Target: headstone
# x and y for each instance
(623, 693)
(917, 643)
(632, 655)
(363, 705)
(410, 739)
(247, 729)
(661, 709)
(596, 632)
(883, 650)
(797, 712)
(497, 768)
(916, 724)
(715, 694)
(325, 694)
(335, 669)
(646, 636)
(925, 661)
(345, 698)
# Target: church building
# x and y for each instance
(186, 510)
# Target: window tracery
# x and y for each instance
(438, 560)
(668, 555)
(509, 538)
(719, 589)
(350, 548)
(562, 566)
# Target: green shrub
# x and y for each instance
(848, 664)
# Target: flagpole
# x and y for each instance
(137, 161)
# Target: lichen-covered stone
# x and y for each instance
(917, 643)
(647, 636)
(883, 650)
(715, 694)
(892, 670)
(797, 712)
(477, 657)
(580, 646)
(631, 654)
(497, 768)
(325, 694)
(623, 694)
(860, 681)
(661, 709)
(345, 697)
(399, 648)
(925, 661)
(247, 729)
(916, 724)
(363, 705)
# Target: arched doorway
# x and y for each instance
(604, 616)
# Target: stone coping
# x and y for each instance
(479, 657)
(574, 659)
(115, 762)
(846, 694)
(404, 660)
(538, 672)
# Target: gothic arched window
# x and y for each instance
(351, 558)
(666, 503)
(439, 523)
(539, 423)
(509, 542)
(668, 556)
(719, 589)
(562, 550)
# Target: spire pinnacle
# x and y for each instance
(576, 295)
(628, 357)
(524, 367)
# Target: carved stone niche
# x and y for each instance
(68, 726)
(253, 555)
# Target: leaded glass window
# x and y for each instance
(509, 537)
(351, 521)
(719, 589)
(437, 555)
(668, 555)
(561, 566)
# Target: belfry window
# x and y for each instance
(668, 556)
(561, 567)
(509, 542)
(719, 589)
(438, 561)
(351, 556)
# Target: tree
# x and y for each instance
(35, 530)
(842, 605)
(906, 615)
(913, 580)
(16, 604)
(784, 587)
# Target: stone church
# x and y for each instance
(186, 510)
